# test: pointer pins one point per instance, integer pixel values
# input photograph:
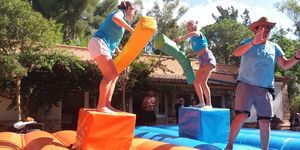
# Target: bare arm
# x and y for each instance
(258, 39)
(186, 36)
(241, 50)
(288, 63)
(118, 19)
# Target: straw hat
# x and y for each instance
(263, 21)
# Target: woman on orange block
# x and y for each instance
(206, 59)
(104, 45)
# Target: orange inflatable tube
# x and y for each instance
(42, 140)
(10, 140)
(143, 32)
(37, 140)
(67, 137)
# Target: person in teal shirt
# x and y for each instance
(206, 59)
(104, 45)
(259, 57)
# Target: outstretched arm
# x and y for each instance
(288, 63)
(118, 19)
(186, 36)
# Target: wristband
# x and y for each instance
(296, 57)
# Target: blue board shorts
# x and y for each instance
(248, 95)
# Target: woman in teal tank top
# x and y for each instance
(206, 59)
(102, 47)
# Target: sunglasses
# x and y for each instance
(265, 27)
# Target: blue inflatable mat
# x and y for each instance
(165, 135)
(279, 140)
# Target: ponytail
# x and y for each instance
(125, 5)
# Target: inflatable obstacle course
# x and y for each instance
(97, 130)
(248, 139)
(143, 32)
(169, 47)
(169, 134)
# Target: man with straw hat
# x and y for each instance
(256, 79)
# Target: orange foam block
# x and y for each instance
(42, 140)
(144, 30)
(105, 131)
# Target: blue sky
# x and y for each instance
(201, 10)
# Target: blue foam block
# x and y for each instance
(208, 125)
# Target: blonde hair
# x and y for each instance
(192, 23)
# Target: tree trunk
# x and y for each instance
(124, 98)
(18, 95)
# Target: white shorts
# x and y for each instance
(98, 47)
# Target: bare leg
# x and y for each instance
(103, 92)
(235, 129)
(110, 94)
(264, 126)
(109, 74)
(199, 89)
(206, 72)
